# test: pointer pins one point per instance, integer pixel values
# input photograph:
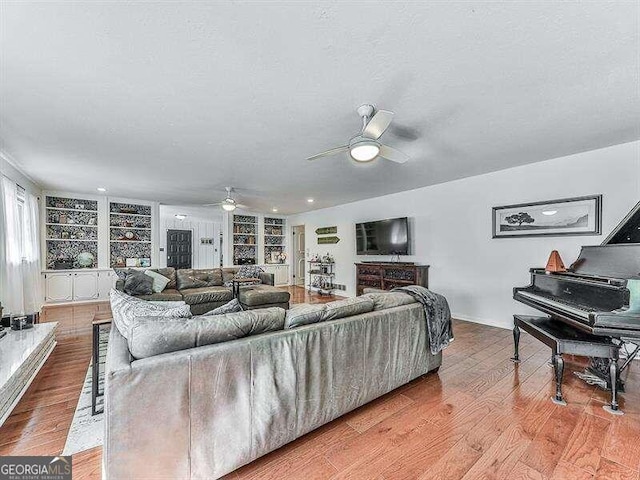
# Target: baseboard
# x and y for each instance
(490, 323)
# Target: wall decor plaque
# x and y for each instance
(566, 216)
(327, 240)
(326, 230)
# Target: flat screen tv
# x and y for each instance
(383, 237)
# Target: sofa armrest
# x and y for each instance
(267, 278)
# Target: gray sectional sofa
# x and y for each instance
(204, 289)
(185, 409)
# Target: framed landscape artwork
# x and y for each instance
(567, 216)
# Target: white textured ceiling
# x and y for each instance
(171, 101)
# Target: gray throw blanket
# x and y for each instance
(436, 310)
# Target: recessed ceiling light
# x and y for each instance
(101, 189)
(274, 210)
(180, 216)
(310, 200)
(549, 212)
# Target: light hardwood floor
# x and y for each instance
(480, 416)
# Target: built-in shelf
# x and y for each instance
(70, 240)
(63, 217)
(130, 228)
(72, 209)
(122, 250)
(70, 225)
(130, 241)
(129, 214)
(245, 227)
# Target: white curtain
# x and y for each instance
(12, 301)
(31, 280)
(20, 253)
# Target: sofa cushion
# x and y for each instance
(159, 281)
(167, 295)
(229, 307)
(126, 309)
(262, 295)
(384, 300)
(137, 283)
(190, 278)
(206, 294)
(154, 336)
(347, 308)
(227, 275)
(304, 314)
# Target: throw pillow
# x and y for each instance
(229, 307)
(137, 283)
(384, 300)
(347, 308)
(247, 271)
(159, 281)
(151, 337)
(126, 309)
(303, 314)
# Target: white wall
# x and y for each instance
(451, 227)
(203, 222)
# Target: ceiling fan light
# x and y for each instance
(229, 206)
(364, 151)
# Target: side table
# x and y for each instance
(99, 319)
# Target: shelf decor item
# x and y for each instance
(566, 216)
(85, 260)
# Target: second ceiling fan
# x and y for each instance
(365, 146)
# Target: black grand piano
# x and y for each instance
(587, 307)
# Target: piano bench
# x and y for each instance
(563, 338)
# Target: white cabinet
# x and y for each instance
(280, 273)
(58, 287)
(106, 281)
(85, 285)
(77, 286)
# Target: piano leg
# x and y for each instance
(516, 344)
(558, 365)
(614, 371)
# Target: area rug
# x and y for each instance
(87, 430)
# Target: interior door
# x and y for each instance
(299, 255)
(179, 248)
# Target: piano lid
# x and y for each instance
(618, 256)
(628, 230)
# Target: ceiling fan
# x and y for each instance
(365, 146)
(228, 204)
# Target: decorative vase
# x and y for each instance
(634, 299)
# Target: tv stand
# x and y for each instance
(389, 275)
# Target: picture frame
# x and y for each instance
(561, 217)
(145, 262)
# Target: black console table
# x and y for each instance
(562, 339)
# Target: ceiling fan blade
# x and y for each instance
(333, 151)
(212, 204)
(393, 154)
(378, 124)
